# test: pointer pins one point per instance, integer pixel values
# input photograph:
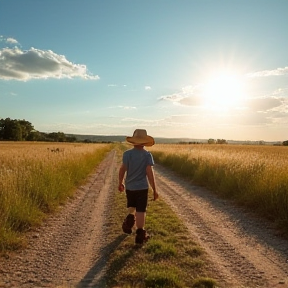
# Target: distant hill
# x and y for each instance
(98, 138)
(159, 140)
(121, 138)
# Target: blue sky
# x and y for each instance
(187, 68)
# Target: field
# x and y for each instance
(35, 178)
(203, 240)
(254, 176)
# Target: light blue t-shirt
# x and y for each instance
(136, 162)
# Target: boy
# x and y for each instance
(137, 164)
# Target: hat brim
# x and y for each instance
(147, 141)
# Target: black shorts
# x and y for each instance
(137, 199)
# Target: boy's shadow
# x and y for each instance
(95, 276)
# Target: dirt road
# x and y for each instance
(71, 248)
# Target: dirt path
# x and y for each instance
(71, 248)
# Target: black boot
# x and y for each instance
(141, 236)
(128, 224)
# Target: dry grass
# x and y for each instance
(255, 176)
(35, 178)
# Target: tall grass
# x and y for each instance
(255, 176)
(35, 178)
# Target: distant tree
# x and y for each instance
(26, 128)
(221, 141)
(87, 141)
(15, 130)
(285, 143)
(71, 139)
(11, 130)
(211, 141)
(22, 130)
(35, 135)
(57, 136)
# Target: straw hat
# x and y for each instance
(140, 137)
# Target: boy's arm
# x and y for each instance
(151, 179)
(121, 174)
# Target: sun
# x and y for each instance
(223, 90)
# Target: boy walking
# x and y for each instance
(137, 164)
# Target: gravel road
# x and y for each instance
(70, 249)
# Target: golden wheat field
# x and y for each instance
(255, 176)
(36, 177)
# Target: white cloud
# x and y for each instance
(117, 85)
(11, 41)
(137, 120)
(265, 73)
(128, 107)
(16, 64)
(188, 96)
(264, 103)
(281, 92)
(147, 88)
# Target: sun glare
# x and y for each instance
(223, 91)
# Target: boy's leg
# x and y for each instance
(141, 235)
(129, 221)
(140, 219)
(131, 210)
(141, 206)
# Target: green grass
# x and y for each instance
(169, 259)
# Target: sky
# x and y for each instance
(195, 69)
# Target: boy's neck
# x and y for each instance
(139, 147)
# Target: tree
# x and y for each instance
(27, 129)
(57, 136)
(71, 139)
(221, 141)
(211, 141)
(10, 130)
(15, 130)
(285, 143)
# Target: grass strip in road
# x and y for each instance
(169, 259)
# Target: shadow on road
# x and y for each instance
(95, 276)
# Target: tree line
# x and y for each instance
(22, 130)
